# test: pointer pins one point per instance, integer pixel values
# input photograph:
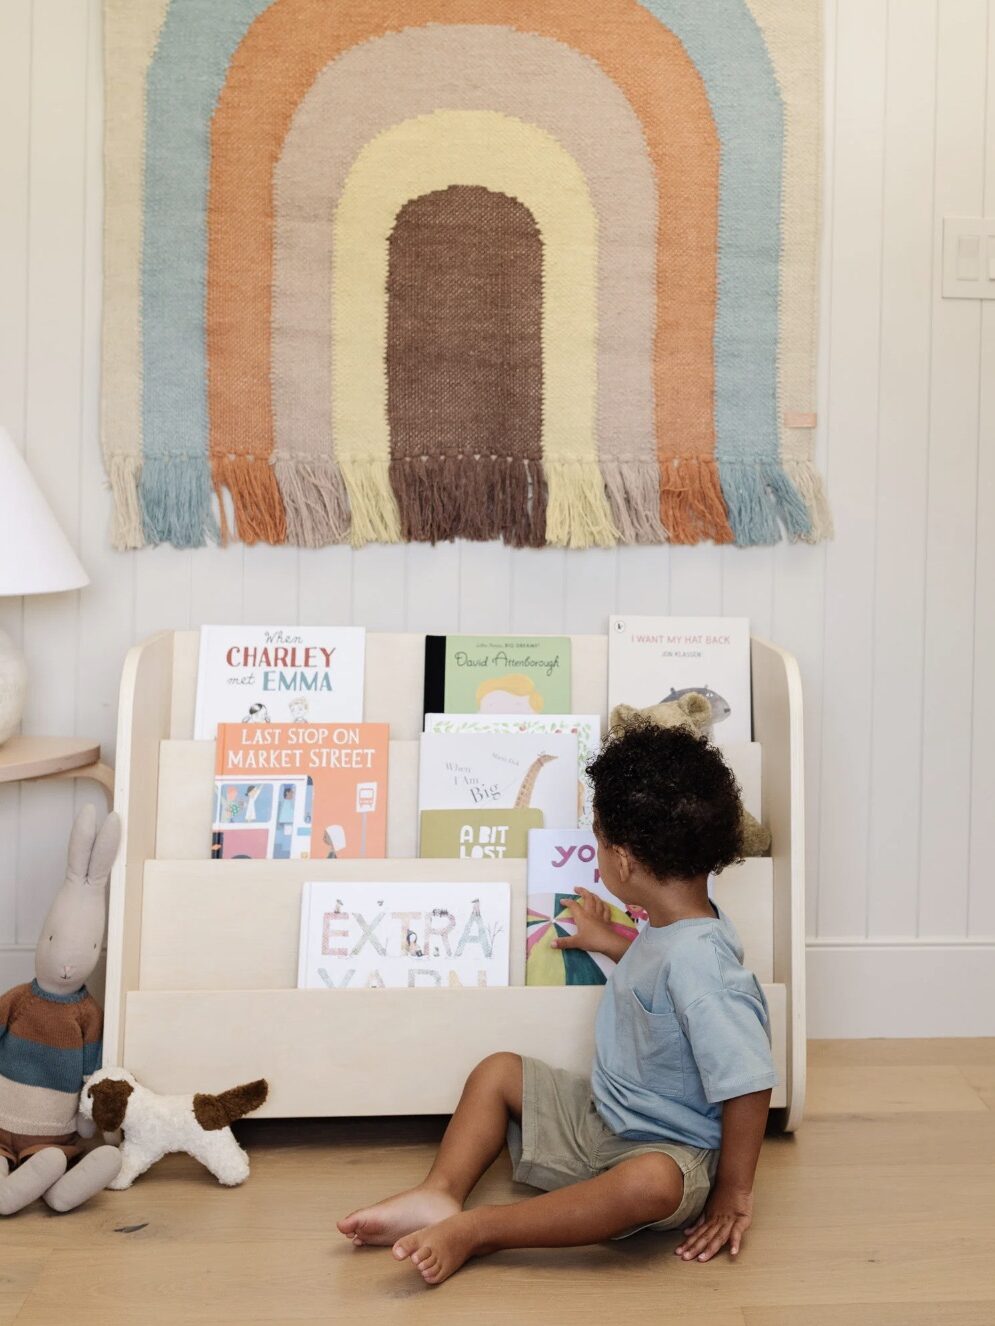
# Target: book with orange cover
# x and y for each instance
(299, 791)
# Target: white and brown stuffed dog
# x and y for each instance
(154, 1126)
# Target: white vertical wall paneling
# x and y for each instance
(324, 586)
(981, 899)
(379, 586)
(433, 588)
(797, 625)
(485, 588)
(589, 584)
(15, 100)
(903, 441)
(269, 586)
(695, 581)
(162, 589)
(861, 33)
(748, 586)
(215, 577)
(797, 616)
(538, 581)
(870, 597)
(106, 626)
(642, 581)
(55, 331)
(947, 727)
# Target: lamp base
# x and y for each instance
(13, 686)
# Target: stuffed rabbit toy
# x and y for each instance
(50, 1035)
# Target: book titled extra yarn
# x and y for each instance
(300, 791)
(414, 936)
(279, 674)
(486, 674)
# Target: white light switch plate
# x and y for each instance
(969, 257)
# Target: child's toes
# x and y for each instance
(412, 1245)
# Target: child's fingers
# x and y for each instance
(566, 941)
(594, 905)
(736, 1237)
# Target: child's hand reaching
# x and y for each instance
(595, 933)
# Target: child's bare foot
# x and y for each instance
(439, 1250)
(387, 1221)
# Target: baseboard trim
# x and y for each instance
(901, 988)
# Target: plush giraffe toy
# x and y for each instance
(50, 1039)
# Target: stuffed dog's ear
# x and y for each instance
(110, 1103)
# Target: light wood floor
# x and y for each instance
(879, 1211)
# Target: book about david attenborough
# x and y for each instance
(279, 674)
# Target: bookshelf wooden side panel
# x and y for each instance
(777, 725)
(143, 720)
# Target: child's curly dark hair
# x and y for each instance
(669, 798)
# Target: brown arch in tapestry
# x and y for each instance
(464, 367)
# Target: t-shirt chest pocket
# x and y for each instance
(657, 1047)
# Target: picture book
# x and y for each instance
(480, 674)
(652, 659)
(296, 791)
(279, 674)
(477, 834)
(585, 727)
(376, 936)
(560, 862)
(500, 771)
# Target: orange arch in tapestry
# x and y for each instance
(278, 59)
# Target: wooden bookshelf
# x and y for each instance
(202, 955)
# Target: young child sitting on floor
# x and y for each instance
(666, 1132)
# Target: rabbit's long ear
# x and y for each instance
(81, 843)
(104, 851)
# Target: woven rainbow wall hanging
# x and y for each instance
(386, 270)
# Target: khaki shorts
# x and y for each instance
(563, 1139)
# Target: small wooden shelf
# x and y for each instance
(202, 955)
(24, 758)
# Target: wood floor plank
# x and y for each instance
(955, 1050)
(981, 1078)
(875, 1314)
(895, 1089)
(20, 1269)
(878, 1211)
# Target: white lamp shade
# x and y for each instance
(35, 556)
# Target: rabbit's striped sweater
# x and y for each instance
(48, 1044)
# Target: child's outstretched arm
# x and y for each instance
(728, 1212)
(595, 933)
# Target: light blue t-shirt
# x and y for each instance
(682, 1026)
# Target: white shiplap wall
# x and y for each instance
(892, 623)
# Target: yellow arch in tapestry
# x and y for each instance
(506, 155)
